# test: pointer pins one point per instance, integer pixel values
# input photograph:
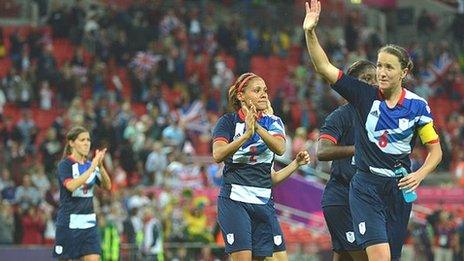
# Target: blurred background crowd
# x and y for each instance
(149, 78)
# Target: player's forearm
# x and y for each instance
(334, 152)
(105, 178)
(275, 144)
(281, 175)
(75, 183)
(319, 58)
(222, 151)
(433, 159)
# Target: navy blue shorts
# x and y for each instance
(246, 226)
(340, 224)
(75, 243)
(278, 236)
(380, 214)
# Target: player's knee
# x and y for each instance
(379, 252)
(240, 255)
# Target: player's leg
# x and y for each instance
(63, 248)
(92, 257)
(279, 256)
(340, 224)
(235, 224)
(280, 250)
(262, 237)
(398, 215)
(240, 255)
(369, 216)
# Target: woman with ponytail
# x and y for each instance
(388, 119)
(246, 140)
(76, 225)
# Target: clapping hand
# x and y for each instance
(99, 156)
(250, 118)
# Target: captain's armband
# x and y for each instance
(427, 134)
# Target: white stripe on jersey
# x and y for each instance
(382, 172)
(83, 191)
(82, 221)
(248, 194)
(399, 147)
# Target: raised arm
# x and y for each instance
(302, 158)
(318, 56)
(328, 150)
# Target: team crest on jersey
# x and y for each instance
(350, 236)
(278, 240)
(58, 249)
(403, 124)
(362, 228)
(230, 239)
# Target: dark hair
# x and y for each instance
(399, 52)
(359, 67)
(72, 136)
(238, 86)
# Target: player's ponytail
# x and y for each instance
(72, 136)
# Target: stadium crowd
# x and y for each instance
(149, 81)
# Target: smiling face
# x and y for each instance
(389, 72)
(256, 93)
(80, 147)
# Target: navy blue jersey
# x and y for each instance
(338, 127)
(247, 173)
(76, 208)
(384, 136)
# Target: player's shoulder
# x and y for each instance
(271, 117)
(411, 96)
(341, 112)
(228, 117)
(65, 162)
(416, 103)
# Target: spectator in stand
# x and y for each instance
(50, 148)
(156, 164)
(27, 195)
(6, 223)
(174, 135)
(33, 223)
(152, 246)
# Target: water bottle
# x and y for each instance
(400, 172)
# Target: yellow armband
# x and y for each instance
(428, 134)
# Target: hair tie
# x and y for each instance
(244, 81)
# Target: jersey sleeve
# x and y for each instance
(223, 130)
(276, 127)
(333, 126)
(353, 90)
(64, 172)
(425, 115)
